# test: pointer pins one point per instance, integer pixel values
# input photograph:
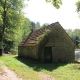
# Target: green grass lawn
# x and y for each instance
(29, 69)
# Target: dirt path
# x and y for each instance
(45, 76)
(8, 74)
(11, 75)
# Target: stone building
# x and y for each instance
(48, 44)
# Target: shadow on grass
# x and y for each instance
(38, 66)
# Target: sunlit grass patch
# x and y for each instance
(20, 68)
(67, 72)
(29, 69)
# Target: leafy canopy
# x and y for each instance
(55, 3)
(78, 5)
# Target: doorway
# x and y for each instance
(47, 54)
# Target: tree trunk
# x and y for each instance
(1, 51)
(3, 28)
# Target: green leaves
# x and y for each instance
(15, 25)
(78, 5)
(55, 3)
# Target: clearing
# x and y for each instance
(7, 74)
(14, 68)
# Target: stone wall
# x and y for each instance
(28, 51)
(62, 45)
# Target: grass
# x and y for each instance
(20, 68)
(29, 69)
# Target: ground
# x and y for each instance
(11, 75)
(7, 74)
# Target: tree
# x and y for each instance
(75, 36)
(76, 32)
(10, 10)
(37, 25)
(75, 40)
(78, 5)
(70, 32)
(15, 34)
(55, 3)
(45, 24)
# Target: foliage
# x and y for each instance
(13, 25)
(69, 32)
(45, 24)
(75, 40)
(37, 23)
(55, 3)
(78, 5)
(75, 35)
(79, 43)
(20, 33)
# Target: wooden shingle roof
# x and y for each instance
(31, 39)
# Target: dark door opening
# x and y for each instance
(48, 54)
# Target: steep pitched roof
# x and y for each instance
(33, 37)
